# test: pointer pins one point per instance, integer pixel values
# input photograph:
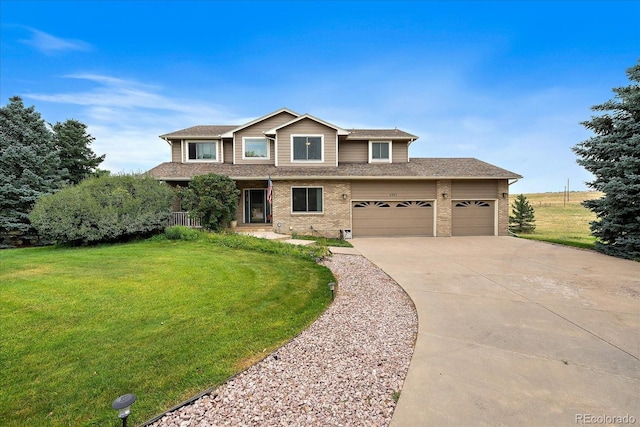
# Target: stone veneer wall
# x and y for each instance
(443, 213)
(336, 215)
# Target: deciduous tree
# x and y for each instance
(213, 199)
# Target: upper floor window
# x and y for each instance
(380, 151)
(203, 151)
(255, 148)
(307, 147)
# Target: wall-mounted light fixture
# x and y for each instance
(344, 196)
(505, 195)
(444, 195)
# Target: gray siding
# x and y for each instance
(311, 127)
(353, 152)
(400, 152)
(176, 154)
(393, 190)
(256, 130)
(228, 151)
(474, 189)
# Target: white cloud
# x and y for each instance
(126, 117)
(49, 44)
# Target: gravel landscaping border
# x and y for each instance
(347, 368)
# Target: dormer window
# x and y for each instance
(380, 151)
(202, 151)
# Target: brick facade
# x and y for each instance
(443, 212)
(336, 205)
(503, 208)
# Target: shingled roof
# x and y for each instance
(216, 131)
(379, 134)
(417, 168)
(203, 131)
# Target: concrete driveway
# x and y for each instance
(515, 332)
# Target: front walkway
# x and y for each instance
(515, 332)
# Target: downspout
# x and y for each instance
(409, 146)
(275, 149)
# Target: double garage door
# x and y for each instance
(393, 218)
(373, 215)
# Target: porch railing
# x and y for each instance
(182, 218)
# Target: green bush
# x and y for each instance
(104, 209)
(211, 198)
(180, 232)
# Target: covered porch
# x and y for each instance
(253, 211)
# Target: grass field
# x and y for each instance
(561, 221)
(164, 320)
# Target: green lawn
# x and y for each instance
(561, 221)
(161, 319)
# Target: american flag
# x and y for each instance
(269, 190)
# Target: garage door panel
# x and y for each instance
(392, 218)
(473, 218)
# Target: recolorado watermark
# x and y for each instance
(605, 419)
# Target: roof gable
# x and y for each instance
(229, 134)
(310, 117)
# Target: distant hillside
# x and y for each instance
(560, 220)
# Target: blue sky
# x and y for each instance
(506, 82)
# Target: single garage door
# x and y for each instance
(392, 218)
(473, 218)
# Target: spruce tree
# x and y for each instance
(73, 144)
(29, 168)
(612, 155)
(523, 218)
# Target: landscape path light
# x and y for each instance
(332, 287)
(123, 405)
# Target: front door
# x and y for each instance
(256, 208)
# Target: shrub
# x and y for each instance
(179, 232)
(104, 209)
(211, 198)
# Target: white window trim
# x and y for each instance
(372, 160)
(217, 149)
(321, 136)
(307, 213)
(244, 138)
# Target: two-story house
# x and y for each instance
(298, 173)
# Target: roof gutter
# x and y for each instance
(343, 178)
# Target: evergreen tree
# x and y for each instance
(613, 156)
(73, 144)
(29, 168)
(523, 218)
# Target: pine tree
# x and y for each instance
(29, 168)
(523, 218)
(73, 144)
(613, 156)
